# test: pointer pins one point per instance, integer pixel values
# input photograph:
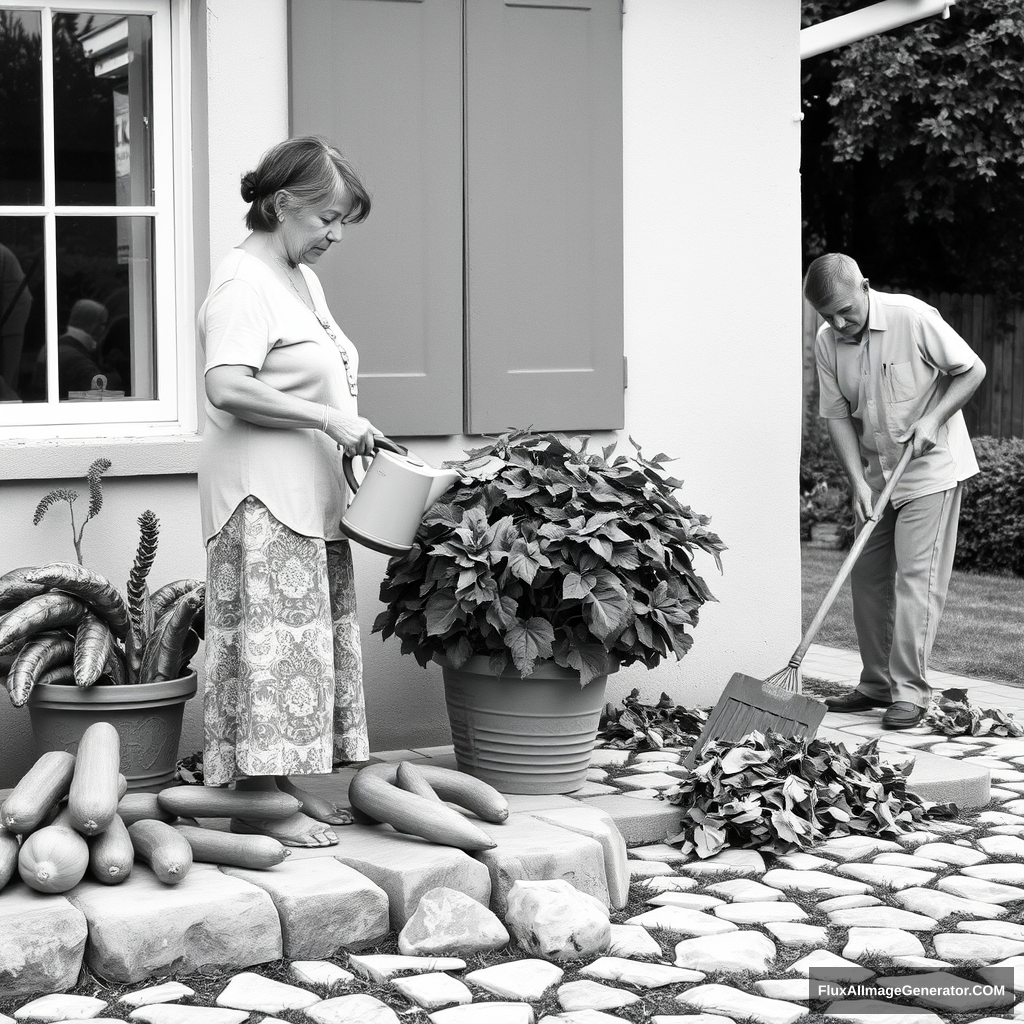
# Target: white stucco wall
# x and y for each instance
(712, 333)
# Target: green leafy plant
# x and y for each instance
(545, 549)
(92, 475)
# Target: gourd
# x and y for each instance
(46, 782)
(93, 797)
(243, 851)
(163, 848)
(8, 855)
(53, 858)
(412, 780)
(373, 791)
(207, 802)
(133, 807)
(466, 791)
(111, 853)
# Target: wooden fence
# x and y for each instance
(997, 408)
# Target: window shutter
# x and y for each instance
(383, 80)
(544, 214)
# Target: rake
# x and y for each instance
(777, 704)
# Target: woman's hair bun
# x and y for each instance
(249, 187)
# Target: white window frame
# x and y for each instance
(174, 411)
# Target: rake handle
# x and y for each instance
(851, 558)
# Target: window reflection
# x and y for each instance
(21, 107)
(22, 304)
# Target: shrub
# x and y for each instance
(824, 492)
(991, 537)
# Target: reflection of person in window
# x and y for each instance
(15, 306)
(77, 348)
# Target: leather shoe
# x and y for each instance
(854, 701)
(902, 715)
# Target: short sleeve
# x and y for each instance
(236, 327)
(941, 345)
(832, 405)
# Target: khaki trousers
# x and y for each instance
(899, 586)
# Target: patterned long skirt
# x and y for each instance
(284, 671)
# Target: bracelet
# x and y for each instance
(325, 418)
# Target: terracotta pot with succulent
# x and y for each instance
(544, 569)
(76, 651)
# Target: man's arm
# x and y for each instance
(925, 431)
(843, 435)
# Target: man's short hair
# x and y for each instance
(827, 275)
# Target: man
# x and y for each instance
(892, 372)
(78, 360)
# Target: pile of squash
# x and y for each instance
(71, 814)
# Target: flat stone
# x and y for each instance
(737, 1004)
(816, 882)
(58, 1006)
(847, 903)
(940, 905)
(757, 913)
(182, 1013)
(838, 968)
(639, 820)
(533, 850)
(405, 867)
(42, 942)
(949, 1000)
(169, 992)
(1004, 872)
(690, 1018)
(1006, 830)
(877, 1011)
(908, 860)
(518, 979)
(856, 847)
(381, 967)
(352, 1009)
(888, 875)
(883, 917)
(790, 933)
(605, 756)
(647, 780)
(1000, 818)
(142, 927)
(911, 840)
(1001, 794)
(745, 890)
(248, 991)
(978, 889)
(950, 853)
(629, 940)
(650, 869)
(862, 942)
(497, 1013)
(742, 951)
(1011, 969)
(680, 921)
(920, 963)
(1007, 929)
(582, 1017)
(670, 883)
(319, 972)
(323, 905)
(591, 995)
(589, 821)
(687, 900)
(959, 946)
(637, 973)
(596, 775)
(729, 861)
(672, 755)
(949, 828)
(660, 852)
(448, 922)
(953, 749)
(1002, 846)
(433, 991)
(639, 794)
(804, 862)
(591, 788)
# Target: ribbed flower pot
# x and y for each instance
(147, 718)
(532, 735)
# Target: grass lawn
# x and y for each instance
(982, 628)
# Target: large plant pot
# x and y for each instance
(147, 718)
(532, 735)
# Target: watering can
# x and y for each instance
(396, 491)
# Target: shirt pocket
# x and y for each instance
(900, 383)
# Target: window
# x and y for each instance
(90, 287)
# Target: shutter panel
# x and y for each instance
(544, 214)
(383, 80)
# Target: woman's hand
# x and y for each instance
(353, 434)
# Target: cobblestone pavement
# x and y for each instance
(732, 938)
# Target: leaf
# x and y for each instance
(442, 612)
(739, 758)
(529, 640)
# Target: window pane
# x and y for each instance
(22, 307)
(105, 305)
(102, 99)
(21, 107)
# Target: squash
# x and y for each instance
(37, 615)
(163, 848)
(93, 644)
(53, 858)
(210, 802)
(372, 791)
(46, 782)
(133, 807)
(243, 851)
(412, 780)
(44, 651)
(466, 791)
(88, 586)
(93, 798)
(8, 855)
(111, 853)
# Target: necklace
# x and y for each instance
(350, 377)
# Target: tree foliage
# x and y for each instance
(913, 149)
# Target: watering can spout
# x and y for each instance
(442, 481)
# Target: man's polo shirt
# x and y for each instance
(893, 376)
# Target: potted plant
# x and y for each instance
(544, 569)
(76, 651)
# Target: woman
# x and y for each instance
(283, 664)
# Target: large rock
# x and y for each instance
(557, 922)
(142, 927)
(323, 905)
(405, 867)
(450, 922)
(42, 941)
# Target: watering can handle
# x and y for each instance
(379, 441)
